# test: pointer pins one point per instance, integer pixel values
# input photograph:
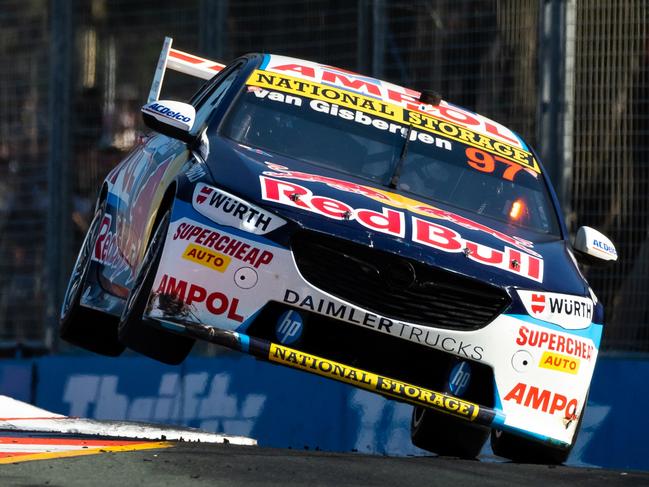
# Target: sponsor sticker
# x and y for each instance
(232, 211)
(179, 292)
(567, 311)
(223, 244)
(289, 327)
(372, 382)
(459, 379)
(392, 222)
(557, 361)
(350, 314)
(204, 256)
(196, 172)
(542, 400)
(399, 201)
(398, 96)
(555, 342)
(454, 126)
(106, 249)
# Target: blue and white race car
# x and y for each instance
(355, 229)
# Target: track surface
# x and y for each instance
(216, 465)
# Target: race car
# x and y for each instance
(354, 229)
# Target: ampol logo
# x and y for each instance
(289, 327)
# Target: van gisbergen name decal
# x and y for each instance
(395, 94)
(372, 382)
(426, 121)
(392, 222)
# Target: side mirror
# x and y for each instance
(172, 118)
(594, 247)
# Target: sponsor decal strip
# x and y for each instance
(366, 104)
(373, 382)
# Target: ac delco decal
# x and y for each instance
(542, 400)
(350, 314)
(443, 121)
(555, 342)
(399, 201)
(207, 258)
(229, 210)
(570, 312)
(224, 245)
(392, 222)
(559, 362)
(372, 382)
(106, 249)
(216, 303)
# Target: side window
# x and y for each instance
(208, 103)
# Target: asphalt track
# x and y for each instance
(229, 465)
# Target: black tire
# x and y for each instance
(523, 450)
(85, 327)
(446, 435)
(141, 335)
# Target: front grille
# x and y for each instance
(383, 283)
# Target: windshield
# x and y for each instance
(374, 148)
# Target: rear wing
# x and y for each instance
(183, 62)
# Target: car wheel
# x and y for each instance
(523, 450)
(81, 326)
(446, 435)
(143, 335)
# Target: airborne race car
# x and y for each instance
(354, 229)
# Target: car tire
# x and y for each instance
(143, 335)
(523, 450)
(81, 326)
(446, 435)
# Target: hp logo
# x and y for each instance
(458, 380)
(289, 327)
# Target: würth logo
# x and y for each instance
(204, 193)
(538, 303)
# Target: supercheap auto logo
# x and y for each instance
(372, 382)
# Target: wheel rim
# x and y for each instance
(418, 416)
(80, 266)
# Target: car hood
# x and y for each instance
(423, 230)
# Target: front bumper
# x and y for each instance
(223, 294)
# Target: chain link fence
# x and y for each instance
(73, 75)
